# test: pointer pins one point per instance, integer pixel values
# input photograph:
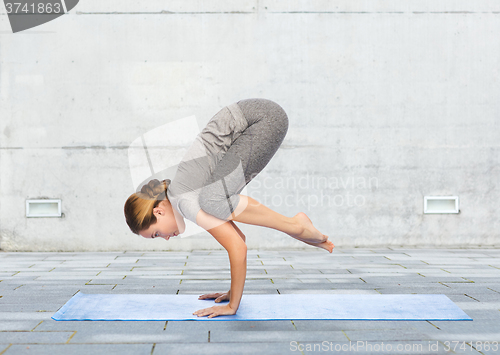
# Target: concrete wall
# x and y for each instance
(388, 101)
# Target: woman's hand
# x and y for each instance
(222, 296)
(215, 311)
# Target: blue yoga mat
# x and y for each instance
(140, 307)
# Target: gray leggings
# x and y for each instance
(253, 149)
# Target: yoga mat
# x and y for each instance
(130, 307)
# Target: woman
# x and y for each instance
(229, 152)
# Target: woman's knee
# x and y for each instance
(283, 118)
(256, 109)
(278, 117)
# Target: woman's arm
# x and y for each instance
(230, 239)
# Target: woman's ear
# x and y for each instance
(158, 211)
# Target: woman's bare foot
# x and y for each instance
(309, 233)
(328, 245)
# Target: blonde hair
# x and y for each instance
(139, 206)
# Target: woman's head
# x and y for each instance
(148, 213)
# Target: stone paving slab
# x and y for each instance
(117, 327)
(110, 337)
(480, 315)
(483, 326)
(35, 299)
(28, 337)
(35, 282)
(138, 289)
(34, 286)
(18, 325)
(249, 326)
(224, 349)
(272, 336)
(344, 325)
(16, 315)
(467, 305)
(31, 307)
(386, 334)
(329, 291)
(81, 349)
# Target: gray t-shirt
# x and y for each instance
(201, 158)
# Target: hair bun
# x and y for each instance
(155, 188)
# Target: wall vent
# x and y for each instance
(441, 204)
(43, 208)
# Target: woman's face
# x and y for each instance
(165, 226)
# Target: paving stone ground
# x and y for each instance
(33, 286)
